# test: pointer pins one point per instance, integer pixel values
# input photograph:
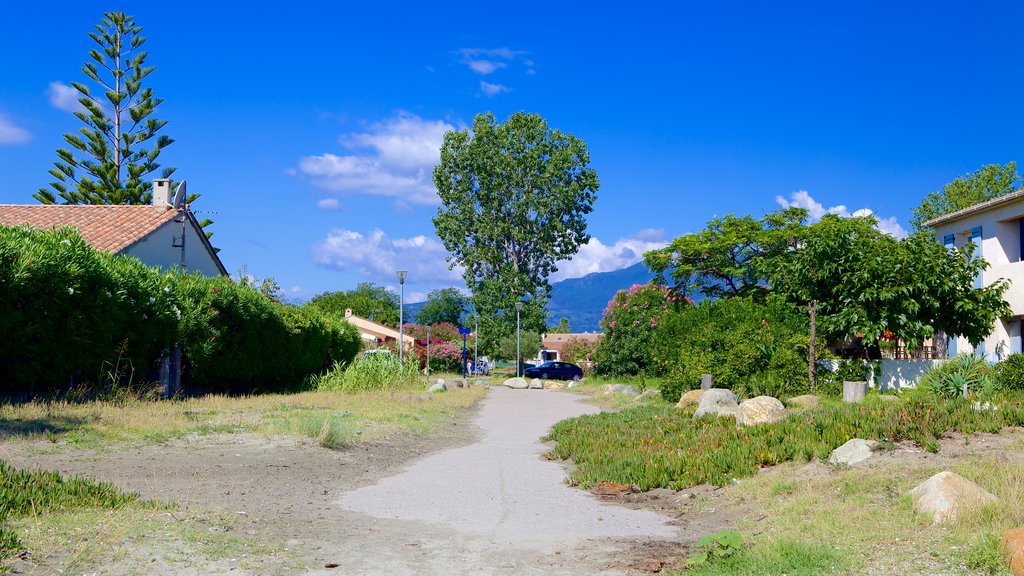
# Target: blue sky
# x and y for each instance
(311, 130)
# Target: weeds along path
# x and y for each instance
(496, 506)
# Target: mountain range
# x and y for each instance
(582, 300)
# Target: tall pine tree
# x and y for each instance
(108, 162)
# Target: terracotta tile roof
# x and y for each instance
(105, 227)
(558, 341)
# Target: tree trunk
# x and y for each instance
(812, 309)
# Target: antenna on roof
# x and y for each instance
(179, 196)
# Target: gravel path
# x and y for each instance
(499, 498)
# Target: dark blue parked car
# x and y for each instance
(555, 371)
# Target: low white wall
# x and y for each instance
(902, 373)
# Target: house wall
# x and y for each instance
(157, 249)
(1001, 247)
(899, 374)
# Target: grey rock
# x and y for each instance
(426, 397)
(439, 387)
(516, 383)
(620, 389)
(718, 401)
(805, 401)
(536, 384)
(947, 496)
(852, 453)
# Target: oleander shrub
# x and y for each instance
(1009, 373)
(445, 355)
(629, 323)
(749, 347)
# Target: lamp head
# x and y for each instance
(402, 274)
(519, 306)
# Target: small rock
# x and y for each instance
(805, 401)
(620, 389)
(554, 384)
(652, 565)
(947, 495)
(648, 394)
(760, 410)
(426, 397)
(1013, 543)
(441, 381)
(517, 383)
(570, 385)
(717, 401)
(536, 384)
(853, 452)
(439, 387)
(480, 382)
(691, 397)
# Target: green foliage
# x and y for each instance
(444, 305)
(777, 557)
(722, 544)
(913, 287)
(107, 163)
(577, 349)
(991, 181)
(529, 346)
(752, 348)
(514, 200)
(657, 446)
(949, 378)
(73, 316)
(630, 321)
(367, 300)
(370, 372)
(31, 493)
(729, 257)
(1009, 373)
(561, 328)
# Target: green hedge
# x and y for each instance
(72, 316)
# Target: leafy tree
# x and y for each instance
(629, 322)
(577, 349)
(561, 328)
(366, 300)
(867, 282)
(444, 305)
(991, 181)
(107, 163)
(529, 345)
(728, 257)
(514, 200)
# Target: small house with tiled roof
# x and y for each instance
(158, 235)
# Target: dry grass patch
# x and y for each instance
(332, 418)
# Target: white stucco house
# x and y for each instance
(159, 234)
(996, 225)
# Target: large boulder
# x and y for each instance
(620, 389)
(691, 397)
(555, 384)
(946, 496)
(760, 410)
(717, 401)
(439, 387)
(536, 384)
(805, 401)
(852, 453)
(517, 383)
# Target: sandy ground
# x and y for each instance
(477, 498)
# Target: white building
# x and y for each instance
(998, 226)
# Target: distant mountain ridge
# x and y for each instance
(581, 300)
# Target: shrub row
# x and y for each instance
(72, 316)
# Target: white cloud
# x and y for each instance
(64, 97)
(328, 204)
(11, 133)
(492, 90)
(296, 289)
(485, 67)
(815, 210)
(596, 256)
(376, 256)
(399, 159)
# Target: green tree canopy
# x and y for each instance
(529, 346)
(991, 181)
(561, 328)
(107, 162)
(444, 305)
(727, 258)
(366, 300)
(867, 282)
(514, 200)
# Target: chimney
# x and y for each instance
(162, 193)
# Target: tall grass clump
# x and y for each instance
(370, 372)
(30, 493)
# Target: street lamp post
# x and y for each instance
(402, 274)
(519, 308)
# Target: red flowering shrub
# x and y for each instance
(629, 322)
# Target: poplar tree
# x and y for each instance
(110, 159)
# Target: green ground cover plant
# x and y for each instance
(658, 446)
(31, 493)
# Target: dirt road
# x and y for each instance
(477, 499)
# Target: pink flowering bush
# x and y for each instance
(629, 323)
